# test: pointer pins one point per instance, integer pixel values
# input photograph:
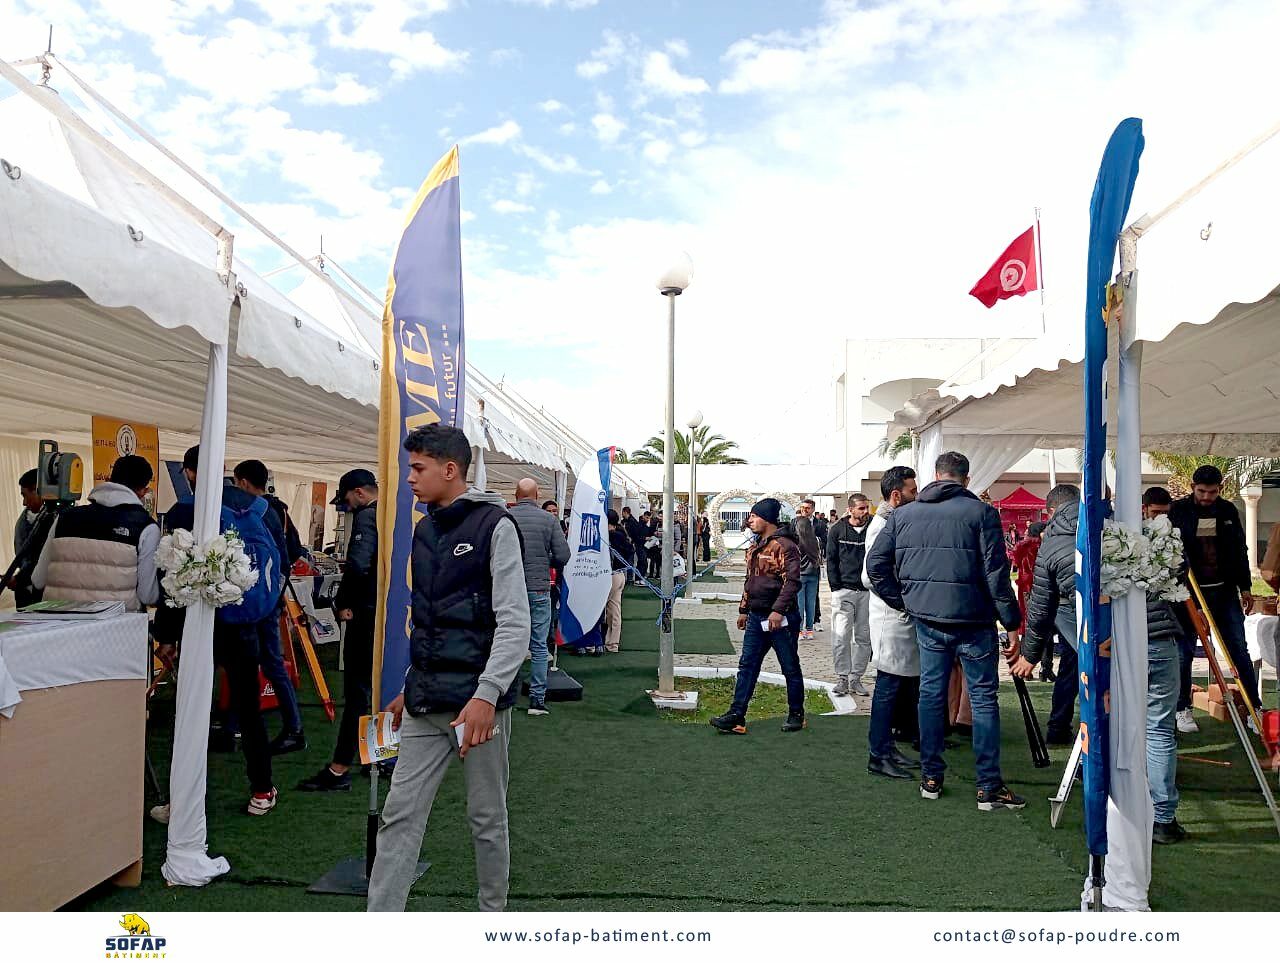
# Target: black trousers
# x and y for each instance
(237, 649)
(357, 684)
(905, 719)
(1065, 691)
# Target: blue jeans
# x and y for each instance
(1163, 678)
(807, 599)
(756, 644)
(880, 739)
(272, 655)
(976, 647)
(540, 622)
(1224, 606)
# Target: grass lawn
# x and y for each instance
(615, 808)
(769, 702)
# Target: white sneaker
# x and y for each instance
(1187, 722)
(261, 805)
(1252, 728)
(161, 814)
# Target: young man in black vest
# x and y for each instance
(469, 638)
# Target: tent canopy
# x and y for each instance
(1020, 500)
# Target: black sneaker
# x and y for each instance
(326, 780)
(1047, 674)
(730, 723)
(990, 800)
(222, 739)
(795, 722)
(930, 788)
(886, 767)
(288, 742)
(538, 707)
(1060, 738)
(1167, 833)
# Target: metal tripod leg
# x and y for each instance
(1058, 802)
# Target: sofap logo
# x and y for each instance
(140, 944)
(589, 538)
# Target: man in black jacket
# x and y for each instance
(942, 559)
(1051, 611)
(850, 602)
(356, 604)
(1214, 541)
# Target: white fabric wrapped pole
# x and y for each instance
(930, 449)
(1129, 809)
(187, 861)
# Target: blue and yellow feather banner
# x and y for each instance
(423, 375)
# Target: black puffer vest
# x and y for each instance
(453, 619)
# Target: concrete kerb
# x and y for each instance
(841, 705)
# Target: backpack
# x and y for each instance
(260, 600)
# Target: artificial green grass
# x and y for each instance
(692, 637)
(613, 808)
(768, 702)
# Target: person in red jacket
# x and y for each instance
(1024, 560)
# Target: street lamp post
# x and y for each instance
(690, 546)
(672, 284)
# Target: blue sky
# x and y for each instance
(835, 169)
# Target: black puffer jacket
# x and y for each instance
(1162, 621)
(942, 559)
(1232, 552)
(1051, 606)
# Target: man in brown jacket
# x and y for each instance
(770, 617)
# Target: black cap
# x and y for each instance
(356, 478)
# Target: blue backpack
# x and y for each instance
(260, 600)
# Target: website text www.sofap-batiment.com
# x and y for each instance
(1073, 937)
(574, 937)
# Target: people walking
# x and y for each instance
(769, 617)
(942, 560)
(810, 571)
(620, 556)
(850, 600)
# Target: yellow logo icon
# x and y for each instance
(135, 925)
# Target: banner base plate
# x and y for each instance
(348, 878)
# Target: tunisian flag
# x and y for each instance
(1014, 272)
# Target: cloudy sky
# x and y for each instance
(835, 169)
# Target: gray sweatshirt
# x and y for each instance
(510, 604)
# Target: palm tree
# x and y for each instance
(1237, 472)
(712, 450)
(891, 449)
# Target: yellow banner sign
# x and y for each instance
(113, 439)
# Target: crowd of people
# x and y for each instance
(921, 587)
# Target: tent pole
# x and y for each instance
(187, 862)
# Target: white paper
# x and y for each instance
(764, 624)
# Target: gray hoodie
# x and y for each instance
(510, 604)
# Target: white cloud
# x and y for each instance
(605, 57)
(660, 76)
(608, 128)
(548, 4)
(503, 133)
(506, 206)
(347, 91)
(386, 28)
(601, 187)
(465, 216)
(551, 106)
(692, 138)
(505, 55)
(567, 128)
(677, 48)
(525, 184)
(657, 151)
(555, 164)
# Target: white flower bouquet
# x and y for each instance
(217, 572)
(1148, 560)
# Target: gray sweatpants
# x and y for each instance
(426, 750)
(851, 632)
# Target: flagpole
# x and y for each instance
(1044, 327)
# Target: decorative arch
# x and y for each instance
(713, 510)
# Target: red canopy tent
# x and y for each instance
(1019, 508)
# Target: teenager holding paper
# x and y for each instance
(470, 635)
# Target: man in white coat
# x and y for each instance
(893, 642)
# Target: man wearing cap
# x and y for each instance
(355, 604)
(769, 616)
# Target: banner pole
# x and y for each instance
(1044, 326)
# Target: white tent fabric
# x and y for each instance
(111, 303)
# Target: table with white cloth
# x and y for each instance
(1260, 634)
(72, 751)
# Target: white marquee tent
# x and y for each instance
(121, 295)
